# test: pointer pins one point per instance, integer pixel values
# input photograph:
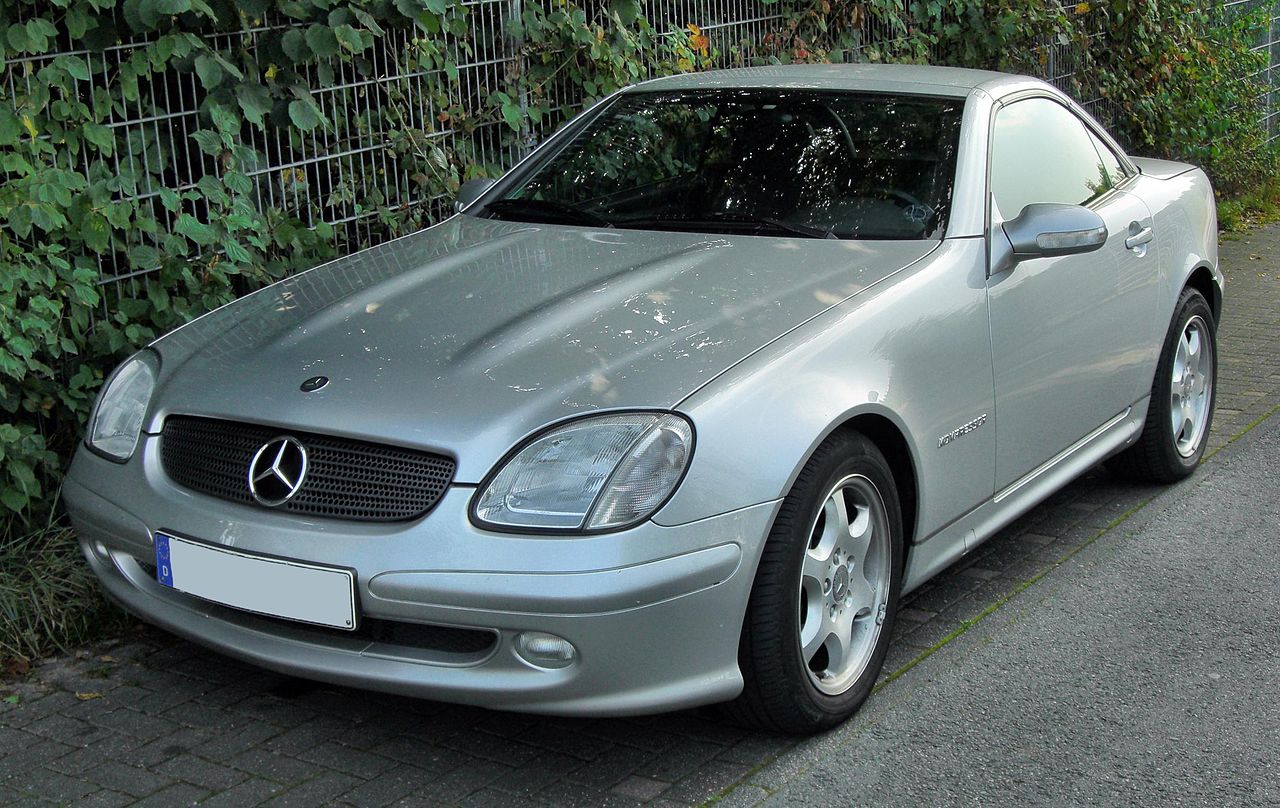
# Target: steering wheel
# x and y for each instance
(912, 208)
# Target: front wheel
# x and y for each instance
(822, 607)
(1181, 410)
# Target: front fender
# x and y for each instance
(914, 349)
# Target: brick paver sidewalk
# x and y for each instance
(158, 721)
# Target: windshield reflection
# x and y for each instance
(752, 161)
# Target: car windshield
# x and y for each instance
(754, 161)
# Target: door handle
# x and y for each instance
(1139, 238)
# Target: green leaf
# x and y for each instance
(94, 231)
(367, 20)
(224, 120)
(350, 39)
(303, 115)
(100, 136)
(23, 475)
(236, 252)
(209, 71)
(74, 66)
(39, 32)
(147, 12)
(78, 22)
(294, 45)
(17, 37)
(409, 8)
(295, 9)
(429, 22)
(237, 182)
(255, 100)
(228, 67)
(322, 41)
(13, 499)
(197, 231)
(10, 128)
(627, 10)
(159, 296)
(209, 141)
(144, 257)
(512, 115)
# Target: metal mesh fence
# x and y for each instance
(351, 173)
(1268, 42)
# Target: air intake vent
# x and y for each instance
(345, 479)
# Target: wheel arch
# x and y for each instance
(892, 443)
(1203, 281)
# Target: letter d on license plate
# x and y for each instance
(272, 586)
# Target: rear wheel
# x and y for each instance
(821, 610)
(1182, 396)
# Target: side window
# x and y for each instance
(1040, 152)
(1112, 171)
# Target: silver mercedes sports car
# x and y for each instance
(675, 411)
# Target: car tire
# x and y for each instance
(796, 681)
(1176, 431)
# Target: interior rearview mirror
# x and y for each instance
(1045, 230)
(469, 192)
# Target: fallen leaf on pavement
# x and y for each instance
(17, 666)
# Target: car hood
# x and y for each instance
(467, 336)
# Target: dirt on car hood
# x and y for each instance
(465, 337)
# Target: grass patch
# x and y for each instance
(1258, 206)
(49, 599)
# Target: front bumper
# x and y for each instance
(654, 612)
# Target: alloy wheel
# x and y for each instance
(1191, 388)
(844, 584)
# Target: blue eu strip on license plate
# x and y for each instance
(164, 567)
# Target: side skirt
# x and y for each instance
(936, 552)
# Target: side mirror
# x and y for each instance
(469, 192)
(1046, 230)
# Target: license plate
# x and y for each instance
(277, 587)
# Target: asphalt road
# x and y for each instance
(1143, 671)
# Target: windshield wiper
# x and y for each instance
(544, 208)
(778, 224)
(711, 217)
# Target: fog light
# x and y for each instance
(545, 650)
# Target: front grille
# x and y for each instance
(346, 479)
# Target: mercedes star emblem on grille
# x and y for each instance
(277, 471)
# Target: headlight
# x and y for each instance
(117, 418)
(600, 473)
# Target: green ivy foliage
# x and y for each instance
(83, 202)
(1183, 78)
(72, 209)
